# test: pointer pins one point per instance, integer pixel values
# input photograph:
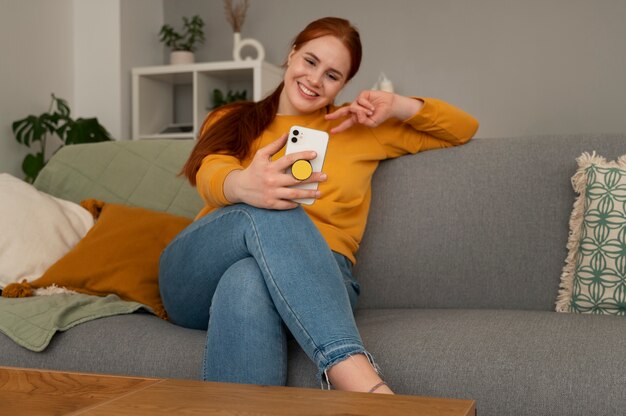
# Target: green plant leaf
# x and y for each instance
(186, 41)
(62, 107)
(86, 130)
(61, 130)
(32, 165)
(32, 128)
(170, 37)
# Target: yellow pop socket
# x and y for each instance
(301, 169)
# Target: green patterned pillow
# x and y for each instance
(594, 276)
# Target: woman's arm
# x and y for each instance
(441, 120)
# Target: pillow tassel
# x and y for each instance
(18, 290)
(160, 312)
(579, 181)
(94, 207)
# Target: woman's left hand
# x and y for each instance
(372, 108)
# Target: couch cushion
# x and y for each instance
(511, 362)
(140, 173)
(594, 277)
(483, 225)
(139, 344)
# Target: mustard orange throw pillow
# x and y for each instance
(119, 255)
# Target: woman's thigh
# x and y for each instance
(191, 266)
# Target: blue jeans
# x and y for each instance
(253, 277)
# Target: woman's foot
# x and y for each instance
(356, 373)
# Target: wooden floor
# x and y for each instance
(40, 392)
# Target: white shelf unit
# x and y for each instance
(182, 94)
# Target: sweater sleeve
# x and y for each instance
(437, 125)
(210, 178)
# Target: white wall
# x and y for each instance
(521, 67)
(35, 40)
(82, 50)
(110, 38)
(97, 62)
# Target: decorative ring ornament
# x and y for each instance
(239, 44)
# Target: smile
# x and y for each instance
(307, 91)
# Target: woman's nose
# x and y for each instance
(314, 78)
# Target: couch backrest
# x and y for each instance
(483, 225)
(142, 173)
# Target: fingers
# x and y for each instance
(289, 194)
(315, 177)
(359, 112)
(287, 180)
(362, 107)
(282, 198)
(288, 160)
(338, 113)
(282, 205)
(366, 104)
(288, 190)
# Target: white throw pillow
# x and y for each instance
(36, 229)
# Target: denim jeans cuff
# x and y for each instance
(336, 353)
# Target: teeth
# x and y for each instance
(307, 91)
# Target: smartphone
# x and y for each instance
(304, 139)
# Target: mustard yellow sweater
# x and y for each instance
(351, 159)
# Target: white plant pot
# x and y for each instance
(181, 58)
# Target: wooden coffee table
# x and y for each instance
(42, 392)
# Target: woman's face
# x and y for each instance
(315, 74)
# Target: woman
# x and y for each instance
(255, 267)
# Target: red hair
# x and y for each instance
(240, 123)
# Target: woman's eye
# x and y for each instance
(332, 76)
(310, 61)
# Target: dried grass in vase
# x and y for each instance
(236, 14)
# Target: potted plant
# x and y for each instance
(219, 99)
(184, 44)
(32, 129)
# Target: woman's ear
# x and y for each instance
(293, 51)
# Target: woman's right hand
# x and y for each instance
(265, 183)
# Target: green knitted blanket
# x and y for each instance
(31, 322)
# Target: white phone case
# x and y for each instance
(303, 139)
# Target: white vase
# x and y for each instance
(181, 58)
(239, 44)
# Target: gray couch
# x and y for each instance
(459, 270)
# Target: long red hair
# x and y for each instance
(240, 123)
